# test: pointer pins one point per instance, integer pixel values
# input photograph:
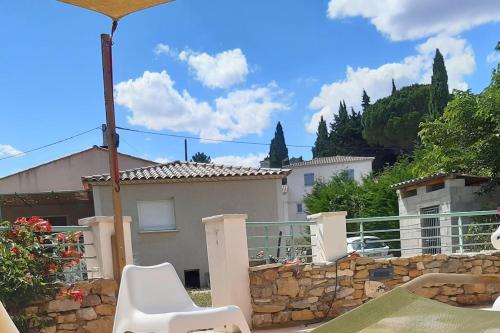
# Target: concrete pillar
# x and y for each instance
(330, 240)
(101, 230)
(228, 261)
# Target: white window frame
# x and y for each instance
(157, 228)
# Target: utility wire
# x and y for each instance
(205, 139)
(50, 144)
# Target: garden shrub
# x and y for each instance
(32, 260)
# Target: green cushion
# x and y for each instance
(400, 311)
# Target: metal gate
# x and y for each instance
(431, 232)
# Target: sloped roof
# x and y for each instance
(96, 148)
(422, 180)
(178, 170)
(332, 160)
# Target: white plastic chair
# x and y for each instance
(6, 324)
(152, 299)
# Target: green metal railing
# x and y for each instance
(84, 267)
(432, 233)
(279, 241)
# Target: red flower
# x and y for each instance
(21, 220)
(60, 237)
(52, 268)
(77, 295)
(42, 226)
(14, 250)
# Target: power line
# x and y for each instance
(205, 139)
(50, 144)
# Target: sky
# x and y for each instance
(223, 69)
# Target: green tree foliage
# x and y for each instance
(466, 138)
(278, 152)
(346, 135)
(365, 101)
(296, 159)
(373, 197)
(322, 145)
(393, 88)
(394, 121)
(439, 93)
(201, 158)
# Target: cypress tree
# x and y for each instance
(321, 146)
(393, 87)
(439, 93)
(365, 103)
(278, 152)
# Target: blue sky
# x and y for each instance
(223, 69)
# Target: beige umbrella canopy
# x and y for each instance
(116, 9)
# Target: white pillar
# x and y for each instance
(330, 240)
(101, 230)
(228, 261)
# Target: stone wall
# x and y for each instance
(291, 294)
(94, 315)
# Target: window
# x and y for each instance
(300, 208)
(350, 173)
(408, 194)
(308, 179)
(156, 215)
(434, 187)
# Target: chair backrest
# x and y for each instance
(6, 324)
(154, 289)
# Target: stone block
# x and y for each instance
(268, 308)
(302, 315)
(288, 286)
(105, 310)
(104, 325)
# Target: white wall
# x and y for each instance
(297, 190)
(65, 174)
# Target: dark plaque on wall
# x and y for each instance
(381, 274)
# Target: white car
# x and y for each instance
(373, 247)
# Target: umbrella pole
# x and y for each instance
(107, 69)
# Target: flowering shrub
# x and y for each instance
(32, 260)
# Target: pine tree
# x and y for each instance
(439, 93)
(201, 158)
(365, 101)
(321, 146)
(278, 152)
(393, 87)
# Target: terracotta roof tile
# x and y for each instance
(332, 160)
(187, 170)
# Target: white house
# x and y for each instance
(304, 174)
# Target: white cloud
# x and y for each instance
(250, 160)
(162, 160)
(493, 57)
(459, 60)
(413, 19)
(8, 150)
(165, 49)
(156, 104)
(222, 70)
